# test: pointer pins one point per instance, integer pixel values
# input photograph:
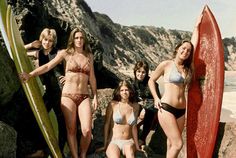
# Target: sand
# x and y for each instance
(228, 112)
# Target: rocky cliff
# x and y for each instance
(116, 47)
(230, 53)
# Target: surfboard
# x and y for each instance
(3, 25)
(206, 90)
(31, 88)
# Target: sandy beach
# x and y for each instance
(228, 112)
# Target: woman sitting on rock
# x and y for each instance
(120, 131)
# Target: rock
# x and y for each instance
(7, 141)
(9, 82)
(226, 141)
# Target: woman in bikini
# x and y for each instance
(177, 75)
(75, 102)
(120, 131)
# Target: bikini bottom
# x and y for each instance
(121, 143)
(176, 112)
(76, 97)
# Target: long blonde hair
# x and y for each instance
(70, 46)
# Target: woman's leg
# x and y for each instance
(85, 116)
(129, 150)
(69, 110)
(147, 124)
(172, 130)
(113, 151)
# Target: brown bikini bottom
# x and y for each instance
(76, 97)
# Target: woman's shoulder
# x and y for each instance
(90, 56)
(113, 103)
(166, 62)
(62, 52)
(135, 105)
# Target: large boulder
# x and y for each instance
(7, 141)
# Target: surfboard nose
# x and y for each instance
(206, 7)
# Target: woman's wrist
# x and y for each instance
(31, 74)
(156, 98)
(28, 46)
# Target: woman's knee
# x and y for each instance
(177, 144)
(87, 132)
(129, 151)
(71, 130)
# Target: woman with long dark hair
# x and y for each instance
(75, 99)
(145, 98)
(120, 131)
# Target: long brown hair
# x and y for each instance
(188, 65)
(188, 62)
(71, 47)
(116, 93)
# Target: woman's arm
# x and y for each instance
(135, 136)
(152, 81)
(108, 121)
(195, 35)
(107, 126)
(34, 44)
(33, 54)
(93, 83)
(134, 128)
(44, 68)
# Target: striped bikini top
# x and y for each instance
(76, 68)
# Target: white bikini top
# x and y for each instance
(174, 76)
(118, 119)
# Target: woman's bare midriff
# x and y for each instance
(174, 95)
(76, 83)
(122, 132)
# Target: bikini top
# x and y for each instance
(76, 68)
(118, 119)
(174, 76)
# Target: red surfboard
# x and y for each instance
(206, 90)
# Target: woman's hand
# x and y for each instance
(36, 44)
(95, 103)
(138, 148)
(24, 76)
(62, 80)
(157, 104)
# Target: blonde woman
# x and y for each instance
(75, 102)
(42, 51)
